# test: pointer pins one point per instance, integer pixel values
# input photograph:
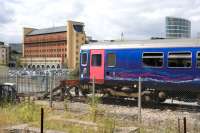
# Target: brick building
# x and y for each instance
(54, 47)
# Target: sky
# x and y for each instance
(103, 19)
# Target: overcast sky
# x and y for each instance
(104, 19)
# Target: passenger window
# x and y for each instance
(180, 59)
(96, 60)
(111, 60)
(84, 59)
(152, 59)
(198, 60)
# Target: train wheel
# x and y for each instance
(75, 94)
(75, 91)
(147, 98)
(161, 96)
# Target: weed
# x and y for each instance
(23, 112)
(28, 112)
(93, 108)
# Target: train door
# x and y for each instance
(97, 65)
(84, 65)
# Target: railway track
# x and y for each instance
(180, 107)
(153, 105)
(134, 103)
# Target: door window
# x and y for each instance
(84, 59)
(96, 60)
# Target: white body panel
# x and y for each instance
(163, 43)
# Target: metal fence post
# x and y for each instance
(93, 91)
(31, 83)
(6, 77)
(7, 80)
(179, 130)
(51, 84)
(54, 80)
(184, 123)
(42, 119)
(47, 84)
(21, 84)
(17, 83)
(139, 100)
(41, 79)
(3, 77)
(28, 84)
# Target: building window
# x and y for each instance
(179, 59)
(198, 59)
(96, 60)
(84, 59)
(152, 59)
(111, 60)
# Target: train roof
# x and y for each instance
(160, 43)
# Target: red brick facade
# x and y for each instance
(46, 45)
(54, 46)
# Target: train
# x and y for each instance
(168, 68)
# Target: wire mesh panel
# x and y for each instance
(29, 82)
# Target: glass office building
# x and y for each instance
(177, 28)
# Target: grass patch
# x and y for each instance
(29, 112)
(22, 113)
(67, 127)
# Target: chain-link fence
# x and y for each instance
(31, 83)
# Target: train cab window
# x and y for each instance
(180, 59)
(152, 59)
(198, 60)
(84, 59)
(96, 60)
(111, 60)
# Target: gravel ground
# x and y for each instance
(153, 120)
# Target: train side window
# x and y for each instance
(96, 60)
(198, 60)
(152, 59)
(180, 59)
(84, 59)
(111, 60)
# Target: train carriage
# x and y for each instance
(168, 68)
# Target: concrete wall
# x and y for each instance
(74, 41)
(4, 55)
(41, 62)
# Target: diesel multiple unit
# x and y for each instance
(168, 68)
